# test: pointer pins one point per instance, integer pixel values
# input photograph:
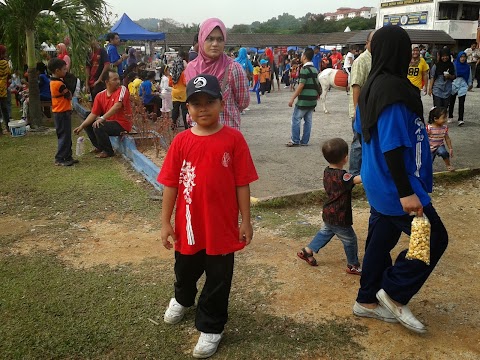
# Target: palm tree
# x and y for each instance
(18, 17)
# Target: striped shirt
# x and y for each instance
(436, 136)
(236, 96)
(309, 94)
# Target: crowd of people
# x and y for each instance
(391, 154)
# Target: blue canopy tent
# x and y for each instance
(129, 30)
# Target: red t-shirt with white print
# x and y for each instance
(103, 103)
(206, 170)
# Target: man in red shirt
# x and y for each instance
(95, 68)
(336, 58)
(111, 115)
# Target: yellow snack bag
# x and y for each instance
(419, 246)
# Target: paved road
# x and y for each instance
(285, 170)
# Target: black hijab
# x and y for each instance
(443, 66)
(387, 82)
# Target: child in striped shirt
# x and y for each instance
(437, 131)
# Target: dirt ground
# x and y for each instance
(447, 304)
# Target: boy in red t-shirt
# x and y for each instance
(210, 167)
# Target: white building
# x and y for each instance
(459, 19)
(343, 13)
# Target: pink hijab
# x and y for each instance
(203, 64)
(63, 50)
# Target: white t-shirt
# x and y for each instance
(349, 60)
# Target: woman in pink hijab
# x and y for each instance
(62, 54)
(213, 61)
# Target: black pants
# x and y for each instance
(156, 102)
(265, 86)
(4, 112)
(212, 308)
(441, 102)
(63, 128)
(403, 278)
(100, 136)
(177, 105)
(461, 106)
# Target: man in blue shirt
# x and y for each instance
(115, 59)
(317, 58)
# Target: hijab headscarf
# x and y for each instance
(243, 60)
(177, 69)
(463, 69)
(387, 83)
(131, 56)
(203, 64)
(62, 51)
(443, 66)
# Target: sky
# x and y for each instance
(231, 12)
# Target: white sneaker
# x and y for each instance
(402, 313)
(461, 122)
(451, 120)
(207, 345)
(174, 313)
(380, 313)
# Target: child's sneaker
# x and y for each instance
(354, 270)
(174, 313)
(207, 345)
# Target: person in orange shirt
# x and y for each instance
(264, 76)
(179, 91)
(62, 112)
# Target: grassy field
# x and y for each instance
(49, 310)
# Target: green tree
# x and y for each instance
(77, 17)
(240, 29)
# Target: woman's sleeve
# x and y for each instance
(68, 61)
(239, 85)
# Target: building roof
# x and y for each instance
(416, 36)
(264, 40)
(302, 40)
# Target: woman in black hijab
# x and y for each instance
(397, 177)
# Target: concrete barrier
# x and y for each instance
(125, 145)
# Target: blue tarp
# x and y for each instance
(129, 30)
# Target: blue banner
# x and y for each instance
(416, 18)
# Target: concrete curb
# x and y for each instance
(125, 145)
(316, 196)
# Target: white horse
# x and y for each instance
(328, 78)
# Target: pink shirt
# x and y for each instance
(436, 136)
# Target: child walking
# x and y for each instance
(437, 132)
(264, 76)
(207, 161)
(337, 210)
(166, 92)
(62, 112)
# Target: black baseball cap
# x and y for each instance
(204, 83)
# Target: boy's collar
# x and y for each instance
(308, 63)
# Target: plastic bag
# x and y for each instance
(419, 246)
